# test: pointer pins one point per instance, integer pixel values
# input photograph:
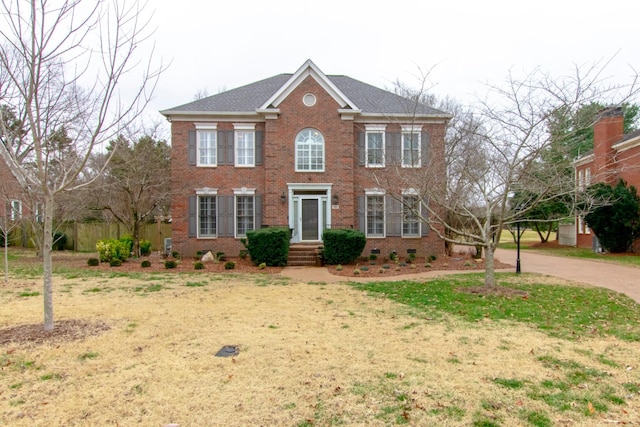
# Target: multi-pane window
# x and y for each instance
(207, 147)
(410, 149)
(207, 216)
(39, 212)
(244, 215)
(410, 217)
(375, 216)
(310, 151)
(245, 144)
(375, 148)
(16, 210)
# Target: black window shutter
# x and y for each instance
(192, 149)
(393, 148)
(220, 223)
(220, 142)
(259, 147)
(425, 214)
(230, 160)
(424, 149)
(362, 149)
(193, 216)
(228, 216)
(257, 202)
(362, 209)
(394, 217)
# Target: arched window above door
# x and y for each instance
(309, 151)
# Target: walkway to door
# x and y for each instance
(618, 278)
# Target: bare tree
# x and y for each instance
(63, 63)
(136, 184)
(494, 152)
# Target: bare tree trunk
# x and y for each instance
(47, 245)
(489, 267)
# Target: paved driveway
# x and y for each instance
(596, 273)
(618, 278)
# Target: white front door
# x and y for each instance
(309, 212)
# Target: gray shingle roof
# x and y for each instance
(248, 98)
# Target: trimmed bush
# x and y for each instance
(93, 262)
(145, 248)
(59, 241)
(199, 265)
(115, 262)
(269, 246)
(229, 265)
(127, 240)
(112, 249)
(145, 264)
(170, 264)
(342, 246)
(221, 256)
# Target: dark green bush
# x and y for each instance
(198, 265)
(229, 265)
(145, 248)
(175, 254)
(617, 221)
(145, 264)
(170, 264)
(220, 256)
(342, 246)
(59, 240)
(115, 262)
(127, 240)
(92, 262)
(243, 253)
(269, 246)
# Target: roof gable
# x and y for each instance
(309, 69)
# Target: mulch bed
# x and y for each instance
(63, 331)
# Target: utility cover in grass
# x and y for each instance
(228, 351)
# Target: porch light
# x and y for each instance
(283, 198)
(335, 199)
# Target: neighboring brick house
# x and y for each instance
(293, 150)
(615, 155)
(13, 207)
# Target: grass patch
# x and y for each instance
(509, 383)
(28, 293)
(560, 311)
(88, 355)
(195, 284)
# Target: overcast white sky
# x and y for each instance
(216, 45)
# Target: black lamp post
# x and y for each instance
(518, 240)
(518, 248)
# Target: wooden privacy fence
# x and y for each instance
(82, 237)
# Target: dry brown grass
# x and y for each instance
(310, 354)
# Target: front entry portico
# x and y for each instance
(309, 211)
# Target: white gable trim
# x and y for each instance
(308, 69)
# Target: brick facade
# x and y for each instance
(277, 186)
(615, 156)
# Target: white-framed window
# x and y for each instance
(374, 145)
(375, 217)
(245, 215)
(245, 212)
(15, 213)
(410, 214)
(581, 179)
(207, 144)
(587, 177)
(245, 144)
(309, 151)
(207, 214)
(39, 212)
(411, 146)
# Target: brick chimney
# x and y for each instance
(607, 130)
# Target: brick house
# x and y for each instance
(615, 155)
(13, 207)
(294, 150)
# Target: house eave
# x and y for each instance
(627, 145)
(405, 118)
(583, 160)
(187, 116)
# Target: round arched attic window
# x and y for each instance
(309, 99)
